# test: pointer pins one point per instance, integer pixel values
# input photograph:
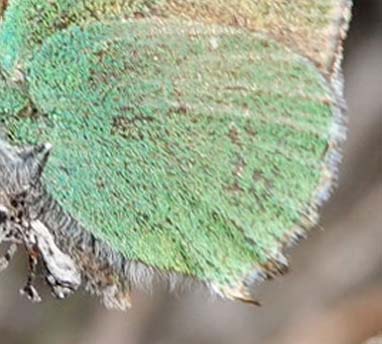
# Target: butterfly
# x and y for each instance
(190, 141)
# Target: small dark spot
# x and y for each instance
(130, 128)
(3, 216)
(135, 53)
(264, 43)
(64, 169)
(138, 15)
(169, 221)
(28, 111)
(62, 22)
(250, 130)
(215, 216)
(259, 177)
(182, 109)
(100, 54)
(22, 194)
(100, 183)
(234, 136)
(235, 188)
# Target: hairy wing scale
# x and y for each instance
(315, 28)
(177, 144)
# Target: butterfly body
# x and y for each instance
(184, 143)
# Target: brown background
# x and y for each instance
(333, 294)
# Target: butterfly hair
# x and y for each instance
(69, 254)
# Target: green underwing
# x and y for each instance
(189, 141)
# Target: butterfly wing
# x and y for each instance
(314, 28)
(191, 147)
(27, 23)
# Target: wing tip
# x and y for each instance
(342, 14)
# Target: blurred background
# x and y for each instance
(333, 293)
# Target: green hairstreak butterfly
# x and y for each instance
(188, 140)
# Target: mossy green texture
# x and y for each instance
(192, 148)
(311, 27)
(12, 101)
(28, 22)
